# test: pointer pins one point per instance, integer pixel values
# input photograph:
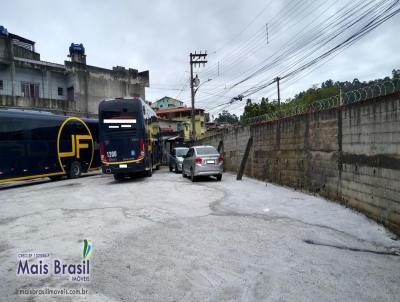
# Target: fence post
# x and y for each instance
(244, 159)
(220, 145)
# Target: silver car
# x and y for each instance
(202, 160)
(176, 158)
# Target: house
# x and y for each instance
(184, 116)
(27, 81)
(166, 102)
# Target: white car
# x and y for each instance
(176, 159)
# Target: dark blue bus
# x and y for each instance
(129, 137)
(37, 144)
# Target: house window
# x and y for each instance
(1, 84)
(30, 90)
(60, 91)
(202, 124)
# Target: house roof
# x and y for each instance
(168, 97)
(168, 120)
(175, 110)
(22, 39)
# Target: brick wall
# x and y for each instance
(349, 154)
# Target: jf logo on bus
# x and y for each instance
(75, 143)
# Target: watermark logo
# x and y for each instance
(87, 249)
(41, 264)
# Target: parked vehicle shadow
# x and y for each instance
(206, 179)
(34, 182)
(128, 179)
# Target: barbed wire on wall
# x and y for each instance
(354, 96)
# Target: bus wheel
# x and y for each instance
(75, 170)
(55, 177)
(119, 176)
(149, 172)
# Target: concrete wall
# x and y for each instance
(93, 84)
(59, 107)
(21, 52)
(370, 179)
(5, 50)
(89, 84)
(48, 81)
(5, 76)
(349, 154)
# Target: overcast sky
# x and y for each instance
(159, 35)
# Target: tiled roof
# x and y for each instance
(174, 110)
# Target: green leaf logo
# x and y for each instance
(87, 249)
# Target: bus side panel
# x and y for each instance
(94, 129)
(27, 148)
(41, 146)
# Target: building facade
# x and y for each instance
(167, 102)
(75, 87)
(183, 116)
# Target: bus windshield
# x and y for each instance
(118, 121)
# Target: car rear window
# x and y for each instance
(181, 152)
(206, 150)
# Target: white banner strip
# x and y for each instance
(119, 121)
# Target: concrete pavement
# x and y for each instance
(166, 239)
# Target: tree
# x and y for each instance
(327, 84)
(328, 89)
(256, 109)
(226, 117)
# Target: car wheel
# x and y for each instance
(176, 168)
(75, 170)
(183, 172)
(219, 177)
(192, 177)
(119, 176)
(170, 168)
(149, 173)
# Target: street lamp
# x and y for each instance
(198, 83)
(195, 83)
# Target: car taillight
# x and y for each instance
(198, 160)
(221, 158)
(103, 154)
(141, 147)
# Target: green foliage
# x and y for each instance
(226, 117)
(328, 89)
(255, 109)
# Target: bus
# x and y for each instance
(36, 144)
(129, 135)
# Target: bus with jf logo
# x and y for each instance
(36, 144)
(129, 135)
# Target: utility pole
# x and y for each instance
(279, 93)
(196, 58)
